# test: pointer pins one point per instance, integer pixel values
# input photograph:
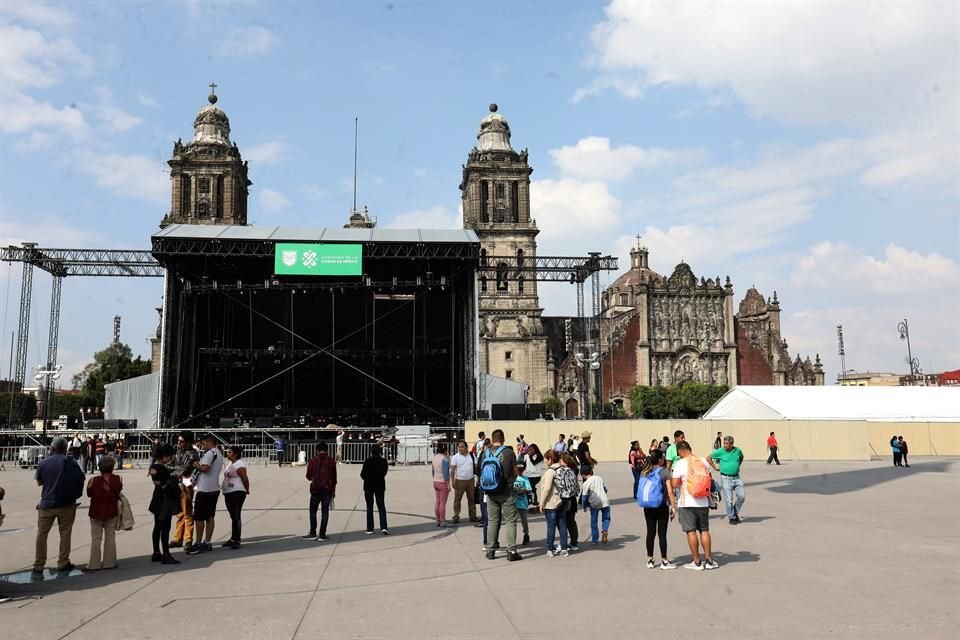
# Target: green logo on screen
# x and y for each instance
(318, 259)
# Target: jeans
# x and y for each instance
(64, 517)
(502, 510)
(657, 521)
(897, 459)
(731, 487)
(375, 494)
(103, 534)
(442, 491)
(556, 519)
(320, 500)
(636, 481)
(605, 513)
(572, 530)
(234, 501)
(484, 520)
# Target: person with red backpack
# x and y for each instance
(322, 474)
(691, 474)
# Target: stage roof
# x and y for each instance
(878, 404)
(315, 234)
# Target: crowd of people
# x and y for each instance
(503, 487)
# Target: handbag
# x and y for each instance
(125, 519)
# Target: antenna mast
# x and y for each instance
(356, 128)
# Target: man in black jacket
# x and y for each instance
(374, 475)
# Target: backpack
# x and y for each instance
(565, 482)
(650, 490)
(491, 471)
(698, 478)
(69, 485)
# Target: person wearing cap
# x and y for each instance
(522, 489)
(727, 461)
(594, 495)
(208, 493)
(583, 451)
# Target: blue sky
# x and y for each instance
(807, 148)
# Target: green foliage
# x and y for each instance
(23, 403)
(553, 405)
(70, 404)
(114, 363)
(688, 400)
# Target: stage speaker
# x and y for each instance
(483, 414)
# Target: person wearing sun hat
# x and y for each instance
(583, 451)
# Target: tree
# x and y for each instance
(114, 363)
(553, 405)
(688, 400)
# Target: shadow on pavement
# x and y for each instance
(838, 482)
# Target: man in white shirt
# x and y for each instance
(339, 446)
(561, 444)
(478, 447)
(462, 467)
(693, 511)
(208, 492)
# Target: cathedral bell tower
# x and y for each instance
(496, 205)
(208, 177)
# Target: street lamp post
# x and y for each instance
(914, 363)
(47, 377)
(590, 364)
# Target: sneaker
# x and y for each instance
(227, 544)
(711, 564)
(322, 538)
(603, 537)
(475, 520)
(513, 556)
(176, 544)
(206, 546)
(738, 518)
(734, 521)
(526, 539)
(168, 559)
(36, 573)
(193, 550)
(156, 557)
(563, 553)
(369, 533)
(574, 547)
(67, 567)
(234, 545)
(666, 565)
(695, 566)
(491, 554)
(650, 564)
(456, 519)
(309, 536)
(384, 532)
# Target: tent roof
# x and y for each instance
(316, 234)
(887, 404)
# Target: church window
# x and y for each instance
(483, 284)
(184, 194)
(520, 284)
(203, 185)
(484, 202)
(483, 257)
(500, 215)
(219, 212)
(515, 200)
(502, 269)
(519, 257)
(501, 192)
(624, 299)
(203, 209)
(509, 374)
(508, 355)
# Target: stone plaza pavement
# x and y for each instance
(826, 549)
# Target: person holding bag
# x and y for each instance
(104, 493)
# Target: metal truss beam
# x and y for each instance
(548, 268)
(122, 263)
(164, 248)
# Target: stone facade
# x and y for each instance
(209, 183)
(496, 204)
(762, 353)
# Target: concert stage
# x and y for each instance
(290, 326)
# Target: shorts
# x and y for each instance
(691, 518)
(205, 505)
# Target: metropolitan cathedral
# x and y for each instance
(654, 329)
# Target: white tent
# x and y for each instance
(887, 404)
(134, 399)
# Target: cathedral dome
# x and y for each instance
(211, 126)
(494, 132)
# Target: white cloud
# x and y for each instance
(314, 193)
(629, 88)
(865, 64)
(273, 201)
(420, 172)
(569, 212)
(116, 120)
(438, 217)
(830, 265)
(593, 158)
(248, 41)
(267, 153)
(146, 100)
(37, 14)
(37, 141)
(131, 176)
(30, 59)
(50, 232)
(23, 114)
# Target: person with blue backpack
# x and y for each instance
(497, 475)
(659, 504)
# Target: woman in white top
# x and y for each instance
(235, 488)
(534, 471)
